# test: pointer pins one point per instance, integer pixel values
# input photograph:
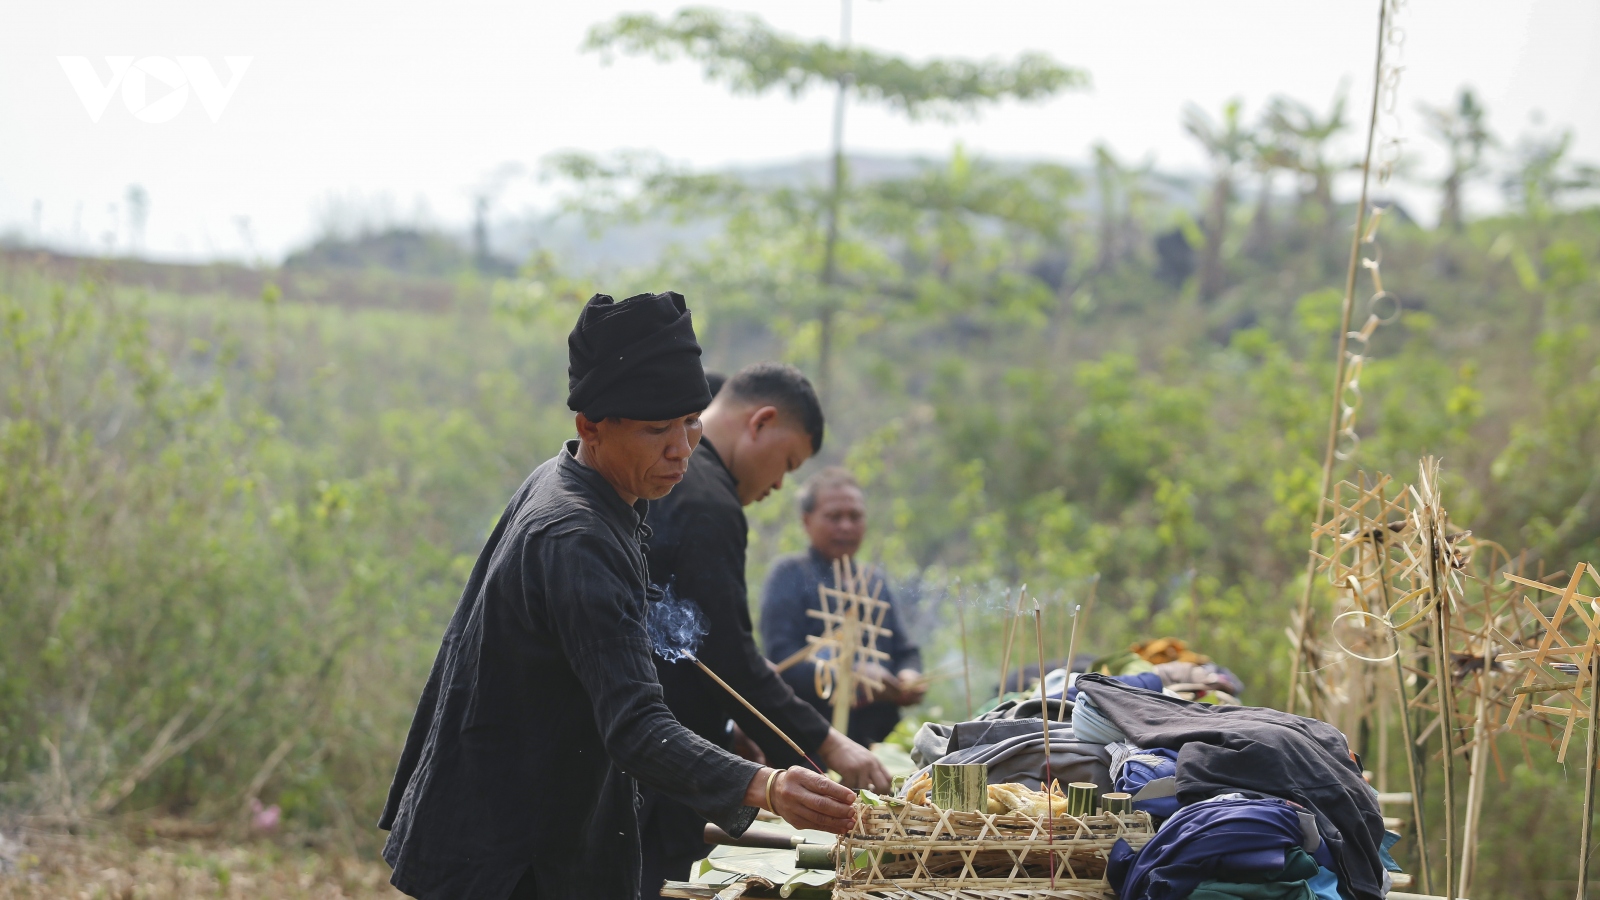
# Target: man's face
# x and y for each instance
(838, 522)
(641, 459)
(770, 447)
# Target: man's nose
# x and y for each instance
(678, 447)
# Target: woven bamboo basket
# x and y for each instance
(908, 852)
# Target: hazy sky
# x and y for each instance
(420, 102)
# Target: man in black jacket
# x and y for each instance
(518, 776)
(764, 423)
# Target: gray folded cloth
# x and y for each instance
(931, 741)
(1014, 752)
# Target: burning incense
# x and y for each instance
(1072, 647)
(1044, 714)
(966, 669)
(1005, 640)
(758, 714)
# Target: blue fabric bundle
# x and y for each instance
(1142, 767)
(1242, 840)
(1089, 724)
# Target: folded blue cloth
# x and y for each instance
(1139, 769)
(1237, 840)
(1390, 838)
(1089, 724)
(1325, 885)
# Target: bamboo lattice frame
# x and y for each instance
(902, 850)
(851, 614)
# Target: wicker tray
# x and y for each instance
(905, 851)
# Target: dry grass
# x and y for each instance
(112, 865)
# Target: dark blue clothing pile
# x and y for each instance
(1266, 757)
(1242, 839)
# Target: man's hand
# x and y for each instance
(913, 687)
(856, 765)
(864, 692)
(804, 799)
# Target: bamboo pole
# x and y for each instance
(1447, 706)
(1341, 363)
(1413, 770)
(1482, 735)
(1590, 745)
(844, 682)
(756, 712)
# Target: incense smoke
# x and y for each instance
(674, 624)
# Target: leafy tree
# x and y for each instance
(1544, 174)
(749, 57)
(1270, 153)
(1306, 136)
(1126, 192)
(1227, 143)
(1465, 133)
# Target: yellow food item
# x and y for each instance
(1015, 798)
(917, 794)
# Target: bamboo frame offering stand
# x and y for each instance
(901, 850)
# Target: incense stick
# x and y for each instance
(966, 668)
(1006, 630)
(1044, 714)
(758, 714)
(1072, 647)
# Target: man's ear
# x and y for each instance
(588, 429)
(762, 417)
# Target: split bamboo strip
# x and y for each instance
(1342, 361)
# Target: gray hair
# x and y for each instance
(825, 480)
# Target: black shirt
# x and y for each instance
(698, 542)
(542, 708)
(791, 589)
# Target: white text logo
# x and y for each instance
(154, 88)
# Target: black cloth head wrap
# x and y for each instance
(637, 359)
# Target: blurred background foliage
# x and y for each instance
(236, 506)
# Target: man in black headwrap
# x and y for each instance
(517, 779)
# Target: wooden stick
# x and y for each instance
(758, 714)
(1044, 715)
(1072, 645)
(792, 660)
(966, 666)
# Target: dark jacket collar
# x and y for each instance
(631, 518)
(731, 483)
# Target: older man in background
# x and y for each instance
(834, 513)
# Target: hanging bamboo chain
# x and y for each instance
(1381, 308)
